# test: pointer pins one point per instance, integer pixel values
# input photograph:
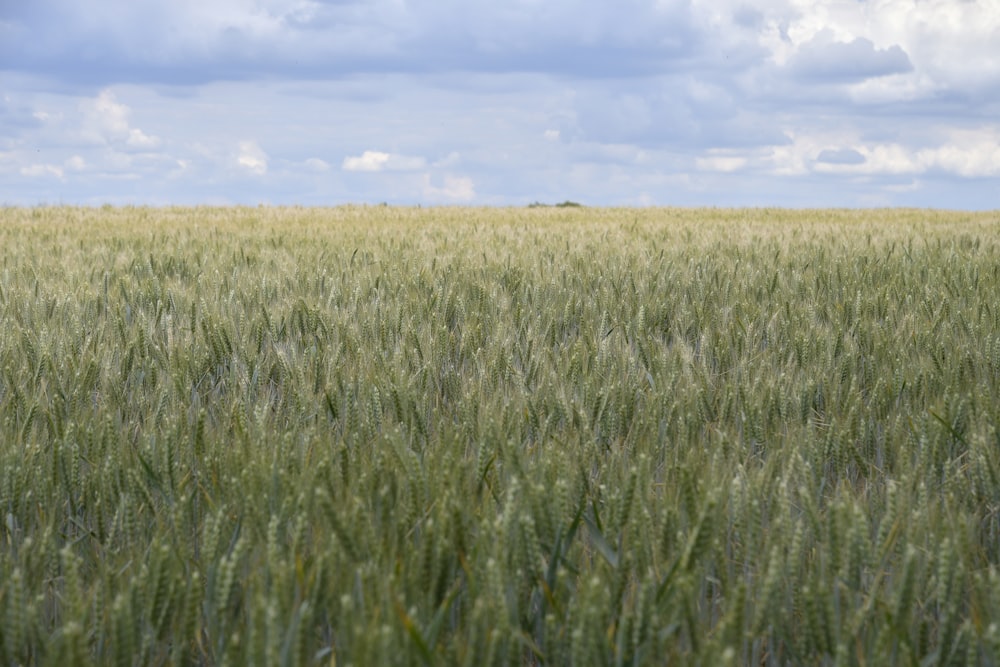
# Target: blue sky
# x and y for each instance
(667, 102)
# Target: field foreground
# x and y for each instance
(382, 436)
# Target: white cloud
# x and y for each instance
(551, 135)
(139, 139)
(950, 45)
(965, 153)
(455, 188)
(959, 157)
(106, 121)
(75, 163)
(42, 170)
(894, 88)
(367, 161)
(723, 163)
(972, 154)
(379, 161)
(888, 158)
(799, 155)
(252, 158)
(104, 118)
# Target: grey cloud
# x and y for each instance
(822, 59)
(670, 112)
(748, 17)
(338, 39)
(840, 156)
(637, 94)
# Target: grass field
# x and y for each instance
(384, 436)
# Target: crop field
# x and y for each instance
(460, 436)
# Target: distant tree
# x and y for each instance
(565, 204)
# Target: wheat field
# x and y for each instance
(545, 436)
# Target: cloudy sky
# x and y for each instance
(625, 102)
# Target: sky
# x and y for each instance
(791, 103)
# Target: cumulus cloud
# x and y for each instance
(105, 120)
(454, 189)
(823, 58)
(379, 161)
(723, 163)
(139, 139)
(252, 158)
(105, 117)
(968, 153)
(367, 161)
(965, 153)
